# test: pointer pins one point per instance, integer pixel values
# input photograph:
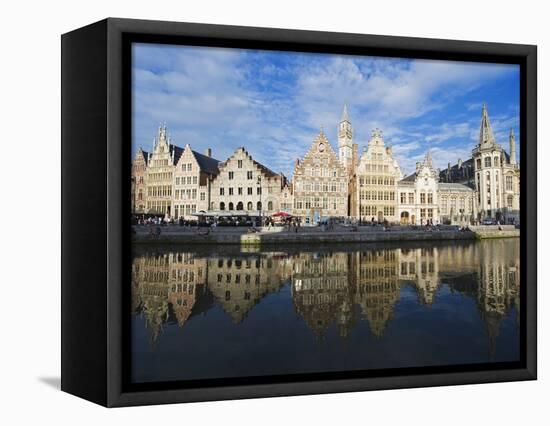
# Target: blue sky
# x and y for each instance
(274, 103)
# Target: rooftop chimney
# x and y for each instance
(208, 152)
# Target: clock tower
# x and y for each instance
(345, 140)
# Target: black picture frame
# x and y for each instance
(96, 135)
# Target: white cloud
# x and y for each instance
(224, 98)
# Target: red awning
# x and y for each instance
(281, 214)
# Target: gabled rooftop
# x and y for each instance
(207, 164)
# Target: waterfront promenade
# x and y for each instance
(312, 235)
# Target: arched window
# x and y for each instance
(259, 206)
(222, 206)
(270, 205)
(487, 161)
(230, 206)
(240, 205)
(496, 162)
(249, 205)
(478, 164)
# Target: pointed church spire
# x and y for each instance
(345, 115)
(512, 140)
(486, 136)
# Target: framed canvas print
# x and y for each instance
(252, 212)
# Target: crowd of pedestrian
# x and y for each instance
(289, 224)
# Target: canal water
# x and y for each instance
(218, 312)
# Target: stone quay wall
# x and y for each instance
(495, 231)
(272, 236)
(314, 235)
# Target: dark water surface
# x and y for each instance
(228, 311)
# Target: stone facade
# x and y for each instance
(139, 186)
(193, 175)
(376, 180)
(418, 195)
(175, 182)
(320, 183)
(456, 203)
(160, 174)
(245, 186)
(286, 200)
(492, 173)
(424, 199)
(496, 175)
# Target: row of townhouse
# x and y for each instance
(178, 182)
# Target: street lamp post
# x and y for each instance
(259, 190)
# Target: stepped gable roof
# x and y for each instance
(144, 154)
(263, 169)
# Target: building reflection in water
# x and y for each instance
(238, 284)
(330, 287)
(166, 286)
